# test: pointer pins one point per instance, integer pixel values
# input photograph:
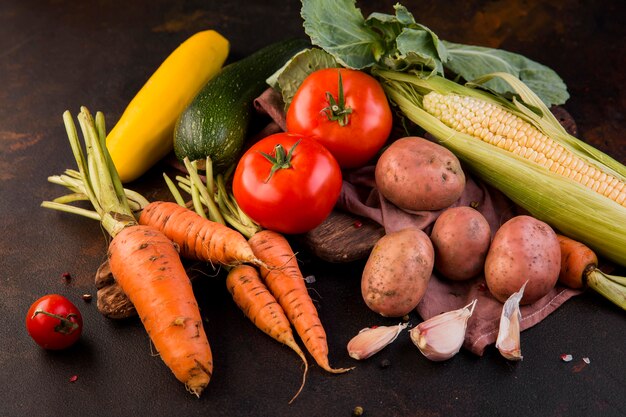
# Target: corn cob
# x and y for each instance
(527, 154)
(503, 129)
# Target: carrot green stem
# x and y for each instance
(96, 178)
(72, 180)
(611, 287)
(71, 209)
(214, 213)
(175, 193)
(208, 174)
(214, 197)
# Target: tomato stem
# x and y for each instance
(337, 111)
(65, 326)
(280, 160)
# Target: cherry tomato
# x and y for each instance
(346, 110)
(54, 322)
(287, 183)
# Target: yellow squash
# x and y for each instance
(144, 133)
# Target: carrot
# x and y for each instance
(147, 267)
(259, 305)
(279, 267)
(286, 283)
(143, 261)
(198, 238)
(577, 260)
(579, 270)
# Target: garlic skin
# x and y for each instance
(441, 337)
(508, 341)
(372, 340)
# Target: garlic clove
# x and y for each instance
(372, 340)
(508, 341)
(441, 337)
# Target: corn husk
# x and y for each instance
(571, 208)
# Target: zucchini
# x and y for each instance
(215, 123)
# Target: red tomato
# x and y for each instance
(301, 191)
(54, 322)
(352, 128)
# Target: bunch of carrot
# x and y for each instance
(205, 240)
(272, 293)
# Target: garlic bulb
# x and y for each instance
(372, 340)
(441, 337)
(508, 341)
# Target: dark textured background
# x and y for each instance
(57, 55)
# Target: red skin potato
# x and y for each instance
(417, 174)
(461, 237)
(523, 249)
(396, 274)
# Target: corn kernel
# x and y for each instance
(505, 130)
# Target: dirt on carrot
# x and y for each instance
(198, 238)
(147, 266)
(285, 281)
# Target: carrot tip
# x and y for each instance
(301, 385)
(339, 370)
(195, 391)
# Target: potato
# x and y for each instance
(522, 249)
(397, 272)
(461, 238)
(417, 174)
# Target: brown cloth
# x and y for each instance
(360, 197)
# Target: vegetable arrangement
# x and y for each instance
(579, 190)
(491, 121)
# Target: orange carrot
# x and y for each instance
(198, 238)
(259, 305)
(145, 263)
(577, 260)
(579, 270)
(286, 283)
(147, 267)
(279, 269)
